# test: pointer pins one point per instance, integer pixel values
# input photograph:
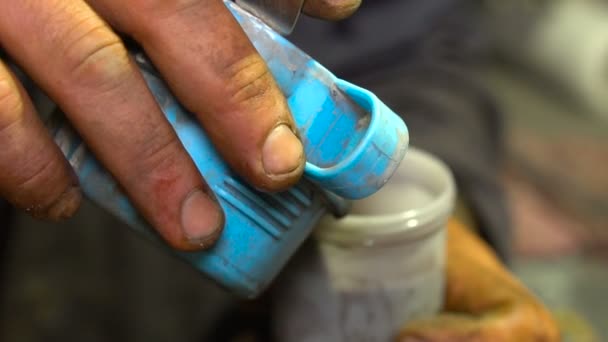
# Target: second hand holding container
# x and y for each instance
(353, 144)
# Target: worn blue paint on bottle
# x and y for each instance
(353, 143)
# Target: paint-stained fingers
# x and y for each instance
(82, 64)
(34, 174)
(213, 68)
(483, 300)
(331, 9)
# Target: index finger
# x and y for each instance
(215, 71)
(83, 65)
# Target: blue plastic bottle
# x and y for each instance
(353, 143)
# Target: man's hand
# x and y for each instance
(69, 48)
(484, 302)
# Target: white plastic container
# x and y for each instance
(374, 270)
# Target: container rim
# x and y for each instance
(368, 230)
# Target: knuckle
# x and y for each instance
(35, 173)
(158, 156)
(36, 180)
(40, 187)
(249, 80)
(548, 330)
(538, 323)
(95, 55)
(11, 104)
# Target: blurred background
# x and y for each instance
(512, 94)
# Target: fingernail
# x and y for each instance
(66, 205)
(282, 152)
(350, 6)
(202, 219)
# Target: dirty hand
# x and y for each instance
(484, 302)
(68, 48)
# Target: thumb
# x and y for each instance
(511, 322)
(484, 301)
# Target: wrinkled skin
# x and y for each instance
(484, 302)
(70, 48)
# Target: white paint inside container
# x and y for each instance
(418, 198)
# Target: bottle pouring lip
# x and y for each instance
(376, 156)
(411, 224)
(371, 105)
